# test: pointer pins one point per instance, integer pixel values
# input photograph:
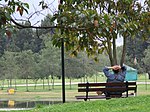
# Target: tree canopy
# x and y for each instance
(90, 25)
(94, 25)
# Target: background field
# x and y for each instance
(55, 92)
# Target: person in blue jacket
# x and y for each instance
(118, 75)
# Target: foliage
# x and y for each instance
(3, 43)
(26, 39)
(135, 49)
(26, 62)
(146, 59)
(77, 67)
(22, 39)
(45, 23)
(50, 59)
(104, 21)
(10, 64)
(7, 8)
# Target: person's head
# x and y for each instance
(116, 68)
(116, 71)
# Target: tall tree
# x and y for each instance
(46, 22)
(26, 39)
(26, 62)
(11, 68)
(146, 60)
(104, 22)
(135, 50)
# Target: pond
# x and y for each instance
(24, 105)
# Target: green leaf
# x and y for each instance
(26, 5)
(7, 15)
(106, 17)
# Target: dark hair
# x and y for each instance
(116, 71)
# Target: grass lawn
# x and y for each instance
(134, 104)
(56, 94)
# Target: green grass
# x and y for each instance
(143, 78)
(56, 93)
(134, 104)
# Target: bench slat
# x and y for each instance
(106, 89)
(99, 96)
(91, 84)
(106, 84)
(91, 97)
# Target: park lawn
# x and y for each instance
(132, 104)
(56, 93)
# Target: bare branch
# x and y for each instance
(20, 26)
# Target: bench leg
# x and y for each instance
(85, 99)
(108, 98)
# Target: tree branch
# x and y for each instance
(20, 26)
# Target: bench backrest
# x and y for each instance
(108, 87)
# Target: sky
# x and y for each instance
(34, 7)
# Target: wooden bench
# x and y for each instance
(90, 88)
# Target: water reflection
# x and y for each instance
(11, 103)
(25, 104)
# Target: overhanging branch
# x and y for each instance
(20, 26)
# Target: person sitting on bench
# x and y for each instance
(118, 75)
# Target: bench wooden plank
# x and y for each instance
(100, 96)
(105, 84)
(91, 97)
(104, 89)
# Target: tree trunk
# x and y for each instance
(70, 82)
(48, 83)
(27, 84)
(43, 84)
(15, 84)
(11, 82)
(109, 51)
(123, 51)
(2, 87)
(96, 78)
(84, 79)
(53, 83)
(148, 74)
(35, 84)
(114, 50)
(8, 83)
